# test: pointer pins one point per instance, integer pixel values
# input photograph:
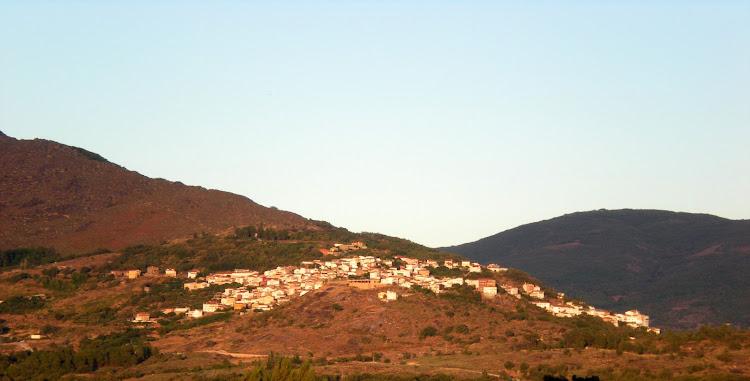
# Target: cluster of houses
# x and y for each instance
(262, 291)
(561, 308)
(473, 267)
(340, 248)
(151, 271)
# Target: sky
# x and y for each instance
(437, 121)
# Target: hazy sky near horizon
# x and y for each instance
(441, 122)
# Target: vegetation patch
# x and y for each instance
(462, 294)
(173, 324)
(428, 331)
(21, 304)
(27, 257)
(172, 293)
(121, 350)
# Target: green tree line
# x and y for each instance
(122, 350)
(26, 257)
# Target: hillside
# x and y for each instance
(342, 330)
(682, 269)
(75, 200)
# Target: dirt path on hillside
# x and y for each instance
(243, 356)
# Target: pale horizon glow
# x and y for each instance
(438, 122)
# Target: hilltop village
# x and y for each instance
(263, 291)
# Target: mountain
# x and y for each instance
(683, 269)
(75, 200)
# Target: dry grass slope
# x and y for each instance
(74, 200)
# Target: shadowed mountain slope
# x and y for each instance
(684, 269)
(75, 200)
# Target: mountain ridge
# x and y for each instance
(76, 200)
(684, 269)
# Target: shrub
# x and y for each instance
(49, 329)
(462, 328)
(422, 290)
(428, 332)
(19, 277)
(21, 304)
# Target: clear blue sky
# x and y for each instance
(441, 122)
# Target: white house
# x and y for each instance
(388, 296)
(211, 307)
(489, 292)
(190, 286)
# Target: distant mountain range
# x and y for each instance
(683, 269)
(75, 200)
